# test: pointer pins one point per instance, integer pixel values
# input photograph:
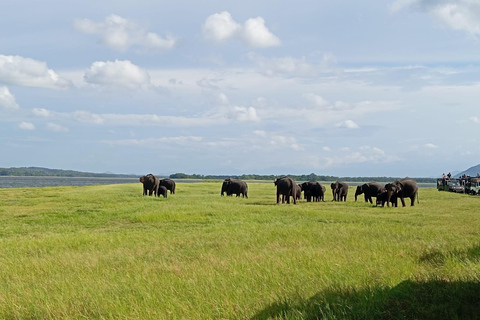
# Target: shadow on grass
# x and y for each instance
(436, 299)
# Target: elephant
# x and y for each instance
(286, 187)
(313, 191)
(169, 184)
(382, 198)
(371, 189)
(233, 186)
(299, 192)
(150, 184)
(162, 191)
(403, 188)
(339, 191)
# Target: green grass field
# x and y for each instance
(106, 252)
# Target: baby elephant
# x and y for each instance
(162, 191)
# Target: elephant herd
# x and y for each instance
(157, 187)
(312, 190)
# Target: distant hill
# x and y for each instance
(37, 171)
(472, 171)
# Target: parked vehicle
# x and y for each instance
(472, 186)
(452, 185)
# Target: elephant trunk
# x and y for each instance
(389, 196)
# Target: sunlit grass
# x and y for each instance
(106, 252)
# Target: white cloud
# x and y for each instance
(120, 34)
(220, 27)
(256, 34)
(474, 119)
(234, 112)
(260, 133)
(316, 100)
(16, 70)
(117, 74)
(430, 146)
(56, 127)
(26, 126)
(7, 100)
(41, 112)
(457, 14)
(244, 114)
(88, 117)
(348, 124)
(292, 67)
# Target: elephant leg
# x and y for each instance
(403, 201)
(412, 198)
(278, 197)
(370, 200)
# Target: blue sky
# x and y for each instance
(347, 88)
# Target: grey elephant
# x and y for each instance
(339, 191)
(169, 184)
(162, 191)
(369, 190)
(382, 198)
(286, 188)
(313, 191)
(299, 192)
(233, 186)
(403, 188)
(150, 184)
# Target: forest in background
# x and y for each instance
(37, 171)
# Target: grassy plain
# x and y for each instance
(106, 252)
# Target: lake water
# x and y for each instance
(26, 182)
(29, 182)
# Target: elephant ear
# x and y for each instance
(399, 186)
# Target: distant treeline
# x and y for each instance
(309, 177)
(36, 171)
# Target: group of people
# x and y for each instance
(448, 176)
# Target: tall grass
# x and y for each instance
(106, 252)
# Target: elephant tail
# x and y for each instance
(417, 198)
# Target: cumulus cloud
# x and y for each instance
(120, 34)
(233, 112)
(26, 126)
(118, 74)
(7, 100)
(220, 27)
(16, 70)
(457, 14)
